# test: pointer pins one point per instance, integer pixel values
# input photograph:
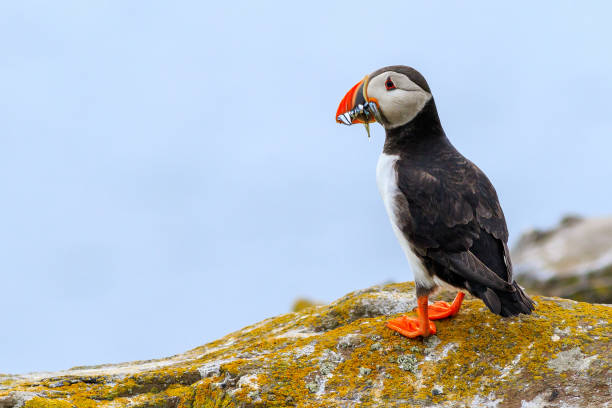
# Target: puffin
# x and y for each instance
(443, 209)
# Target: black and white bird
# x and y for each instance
(443, 209)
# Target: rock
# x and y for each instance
(364, 371)
(16, 399)
(560, 356)
(302, 303)
(375, 347)
(408, 362)
(572, 260)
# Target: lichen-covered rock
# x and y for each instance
(342, 355)
(572, 260)
(303, 303)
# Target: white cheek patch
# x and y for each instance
(398, 106)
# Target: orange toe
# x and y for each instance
(409, 327)
(440, 310)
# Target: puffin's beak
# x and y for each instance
(355, 107)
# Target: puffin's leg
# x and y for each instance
(440, 310)
(411, 327)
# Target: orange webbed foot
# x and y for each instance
(441, 310)
(410, 327)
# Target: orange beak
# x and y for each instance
(356, 96)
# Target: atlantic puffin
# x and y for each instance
(442, 207)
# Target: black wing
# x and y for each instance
(456, 223)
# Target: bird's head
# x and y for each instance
(392, 96)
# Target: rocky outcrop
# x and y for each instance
(572, 260)
(342, 355)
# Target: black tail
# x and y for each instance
(505, 303)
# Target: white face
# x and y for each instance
(399, 99)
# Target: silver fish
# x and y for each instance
(365, 113)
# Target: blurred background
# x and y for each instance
(173, 172)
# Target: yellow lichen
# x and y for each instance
(38, 402)
(332, 355)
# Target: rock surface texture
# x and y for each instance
(342, 355)
(572, 260)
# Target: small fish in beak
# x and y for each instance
(356, 108)
(361, 114)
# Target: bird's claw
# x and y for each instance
(441, 310)
(409, 327)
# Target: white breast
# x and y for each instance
(386, 178)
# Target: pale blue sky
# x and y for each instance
(173, 172)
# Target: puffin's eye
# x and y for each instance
(389, 84)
